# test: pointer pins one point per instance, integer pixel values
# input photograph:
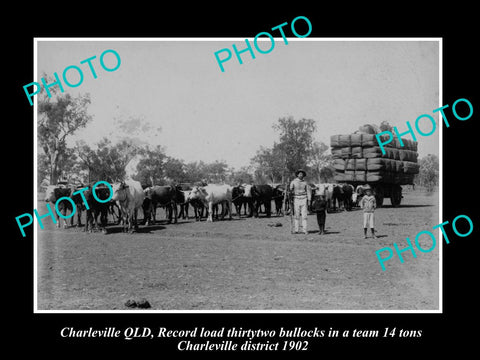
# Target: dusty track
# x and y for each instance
(243, 264)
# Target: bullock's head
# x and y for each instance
(119, 191)
(148, 192)
(354, 197)
(102, 192)
(247, 190)
(237, 191)
(197, 193)
(55, 192)
(50, 193)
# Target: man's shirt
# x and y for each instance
(300, 189)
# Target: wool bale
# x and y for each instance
(334, 143)
(411, 167)
(414, 146)
(376, 164)
(349, 175)
(339, 177)
(407, 144)
(374, 176)
(389, 165)
(357, 152)
(361, 164)
(399, 166)
(372, 152)
(356, 140)
(339, 165)
(360, 176)
(344, 140)
(396, 143)
(346, 152)
(350, 164)
(336, 153)
(369, 140)
(403, 154)
(394, 154)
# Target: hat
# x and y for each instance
(367, 187)
(300, 171)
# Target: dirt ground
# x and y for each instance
(244, 264)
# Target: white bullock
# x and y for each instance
(129, 197)
(211, 195)
(327, 191)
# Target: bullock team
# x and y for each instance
(212, 201)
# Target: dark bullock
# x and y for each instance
(164, 196)
(97, 208)
(262, 194)
(55, 192)
(238, 198)
(278, 198)
(348, 190)
(337, 197)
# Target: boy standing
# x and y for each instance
(319, 206)
(368, 204)
(301, 198)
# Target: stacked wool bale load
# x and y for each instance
(358, 158)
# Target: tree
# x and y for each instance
(108, 161)
(195, 171)
(58, 118)
(216, 172)
(241, 176)
(294, 150)
(174, 170)
(150, 167)
(320, 162)
(428, 173)
(296, 141)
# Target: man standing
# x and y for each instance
(301, 198)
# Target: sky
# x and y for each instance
(197, 112)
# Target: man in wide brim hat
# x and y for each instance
(301, 197)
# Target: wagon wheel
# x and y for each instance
(379, 196)
(396, 196)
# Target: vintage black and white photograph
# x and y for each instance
(164, 184)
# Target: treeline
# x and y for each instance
(110, 160)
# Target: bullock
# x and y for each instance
(55, 192)
(348, 191)
(198, 208)
(358, 194)
(238, 199)
(96, 208)
(211, 195)
(129, 196)
(164, 196)
(327, 191)
(278, 198)
(262, 194)
(248, 201)
(114, 210)
(182, 200)
(337, 196)
(185, 203)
